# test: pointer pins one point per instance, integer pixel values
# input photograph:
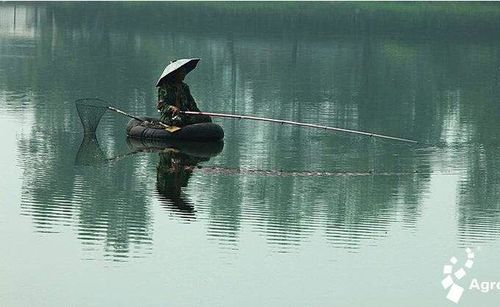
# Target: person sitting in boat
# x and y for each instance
(174, 95)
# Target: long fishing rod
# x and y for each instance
(288, 122)
(90, 119)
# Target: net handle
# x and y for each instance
(79, 101)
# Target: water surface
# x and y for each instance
(277, 215)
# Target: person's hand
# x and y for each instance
(174, 110)
(160, 104)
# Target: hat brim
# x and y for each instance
(187, 64)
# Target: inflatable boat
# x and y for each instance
(196, 132)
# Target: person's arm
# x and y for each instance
(165, 102)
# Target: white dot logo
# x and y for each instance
(452, 277)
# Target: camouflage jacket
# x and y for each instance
(180, 97)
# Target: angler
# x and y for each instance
(174, 96)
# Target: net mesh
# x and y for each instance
(90, 153)
(90, 111)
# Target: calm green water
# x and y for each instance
(277, 215)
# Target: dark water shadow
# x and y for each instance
(177, 162)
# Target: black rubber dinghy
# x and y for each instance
(196, 132)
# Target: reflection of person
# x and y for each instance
(173, 172)
(174, 96)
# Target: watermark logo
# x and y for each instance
(453, 276)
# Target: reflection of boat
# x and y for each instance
(190, 148)
(194, 132)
